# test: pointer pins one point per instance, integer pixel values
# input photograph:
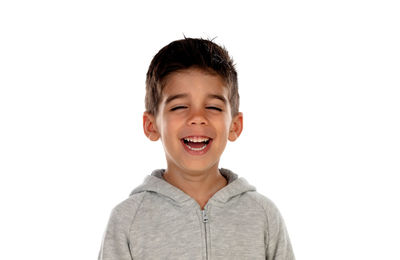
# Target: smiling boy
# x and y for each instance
(193, 209)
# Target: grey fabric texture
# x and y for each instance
(159, 221)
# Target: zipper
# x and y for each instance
(205, 221)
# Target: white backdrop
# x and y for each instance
(319, 84)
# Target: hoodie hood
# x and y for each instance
(156, 183)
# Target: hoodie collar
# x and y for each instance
(156, 183)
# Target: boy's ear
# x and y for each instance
(236, 127)
(150, 127)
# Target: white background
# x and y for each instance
(319, 84)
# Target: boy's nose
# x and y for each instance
(197, 119)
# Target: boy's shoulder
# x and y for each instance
(129, 204)
(268, 207)
(263, 201)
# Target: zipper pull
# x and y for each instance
(204, 215)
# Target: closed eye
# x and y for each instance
(178, 107)
(215, 108)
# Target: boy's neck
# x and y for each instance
(201, 186)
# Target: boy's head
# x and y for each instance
(192, 103)
(190, 53)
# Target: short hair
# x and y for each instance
(190, 53)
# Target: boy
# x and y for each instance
(194, 210)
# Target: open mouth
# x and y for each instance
(195, 143)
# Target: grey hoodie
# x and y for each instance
(159, 221)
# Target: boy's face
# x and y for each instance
(194, 120)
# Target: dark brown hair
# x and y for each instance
(188, 53)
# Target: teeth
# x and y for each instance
(196, 149)
(196, 139)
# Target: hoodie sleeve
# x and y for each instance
(278, 245)
(116, 244)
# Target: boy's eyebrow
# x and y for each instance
(170, 98)
(220, 97)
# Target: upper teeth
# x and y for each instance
(196, 139)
